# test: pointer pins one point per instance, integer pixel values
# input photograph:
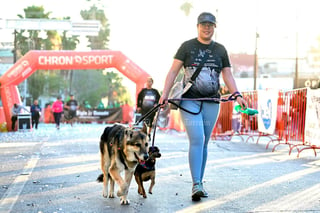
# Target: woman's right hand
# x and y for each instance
(164, 101)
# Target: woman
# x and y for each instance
(199, 126)
(57, 109)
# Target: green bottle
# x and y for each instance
(248, 111)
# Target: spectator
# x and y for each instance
(16, 110)
(35, 114)
(147, 99)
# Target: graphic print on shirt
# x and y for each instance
(149, 99)
(207, 82)
(73, 105)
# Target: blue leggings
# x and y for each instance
(199, 128)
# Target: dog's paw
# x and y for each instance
(150, 193)
(124, 201)
(123, 190)
(111, 195)
(105, 195)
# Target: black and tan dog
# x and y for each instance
(121, 149)
(146, 171)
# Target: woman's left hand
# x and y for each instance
(242, 102)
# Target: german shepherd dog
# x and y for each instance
(146, 171)
(121, 149)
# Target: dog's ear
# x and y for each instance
(129, 133)
(144, 128)
(154, 149)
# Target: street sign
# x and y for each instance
(91, 27)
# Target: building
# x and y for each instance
(6, 56)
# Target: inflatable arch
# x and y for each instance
(52, 60)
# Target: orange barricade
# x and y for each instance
(250, 123)
(127, 114)
(290, 121)
(223, 127)
(291, 118)
(175, 121)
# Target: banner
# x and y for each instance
(312, 125)
(97, 115)
(267, 107)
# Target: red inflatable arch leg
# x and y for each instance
(9, 96)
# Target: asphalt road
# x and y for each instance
(55, 171)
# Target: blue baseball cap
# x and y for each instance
(206, 17)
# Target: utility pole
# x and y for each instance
(296, 74)
(15, 46)
(255, 64)
(255, 68)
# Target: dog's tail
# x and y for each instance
(100, 178)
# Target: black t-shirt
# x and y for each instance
(147, 98)
(72, 104)
(207, 83)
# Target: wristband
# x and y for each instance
(236, 94)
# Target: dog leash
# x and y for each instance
(155, 125)
(232, 97)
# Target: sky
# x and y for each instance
(150, 31)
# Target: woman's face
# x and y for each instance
(205, 31)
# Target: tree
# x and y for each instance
(44, 83)
(69, 43)
(26, 40)
(186, 7)
(29, 39)
(112, 82)
(100, 41)
(93, 93)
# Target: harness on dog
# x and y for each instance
(149, 167)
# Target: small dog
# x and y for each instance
(146, 171)
(121, 149)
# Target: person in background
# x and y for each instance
(57, 109)
(15, 111)
(35, 113)
(147, 99)
(199, 126)
(72, 106)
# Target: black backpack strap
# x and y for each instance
(196, 73)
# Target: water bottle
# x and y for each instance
(248, 111)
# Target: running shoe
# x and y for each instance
(205, 193)
(197, 192)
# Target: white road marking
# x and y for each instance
(15, 189)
